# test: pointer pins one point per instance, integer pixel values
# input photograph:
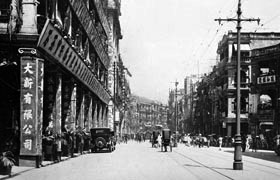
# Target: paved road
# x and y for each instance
(134, 161)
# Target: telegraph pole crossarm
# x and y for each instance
(238, 164)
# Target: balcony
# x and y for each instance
(242, 60)
(91, 30)
(102, 16)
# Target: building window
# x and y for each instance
(4, 11)
(243, 79)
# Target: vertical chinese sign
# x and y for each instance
(32, 75)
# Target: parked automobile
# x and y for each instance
(102, 138)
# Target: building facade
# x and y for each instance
(225, 77)
(149, 114)
(265, 91)
(215, 104)
(54, 62)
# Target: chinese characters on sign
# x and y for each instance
(31, 112)
(53, 43)
(266, 79)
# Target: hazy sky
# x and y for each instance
(165, 40)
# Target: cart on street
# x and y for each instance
(166, 140)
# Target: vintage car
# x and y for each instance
(102, 138)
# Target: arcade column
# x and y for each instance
(31, 107)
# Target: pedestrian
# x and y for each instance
(159, 140)
(208, 142)
(247, 143)
(220, 143)
(185, 139)
(243, 143)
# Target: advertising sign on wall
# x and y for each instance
(53, 43)
(31, 105)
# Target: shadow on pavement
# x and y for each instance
(264, 155)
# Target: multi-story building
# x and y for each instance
(265, 90)
(148, 114)
(54, 70)
(190, 84)
(177, 110)
(225, 78)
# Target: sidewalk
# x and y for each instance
(17, 170)
(268, 155)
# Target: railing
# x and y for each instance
(242, 59)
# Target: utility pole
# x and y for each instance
(238, 164)
(176, 118)
(114, 98)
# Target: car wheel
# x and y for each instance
(100, 142)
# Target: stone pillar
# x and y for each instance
(110, 115)
(230, 45)
(58, 106)
(31, 100)
(89, 117)
(29, 17)
(73, 115)
(67, 89)
(105, 119)
(82, 112)
(95, 115)
(73, 105)
(100, 121)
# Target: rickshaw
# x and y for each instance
(166, 140)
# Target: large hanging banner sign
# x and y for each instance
(54, 45)
(31, 106)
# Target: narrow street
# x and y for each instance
(137, 161)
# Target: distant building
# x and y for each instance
(148, 114)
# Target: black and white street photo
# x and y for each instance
(139, 89)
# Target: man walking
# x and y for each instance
(220, 143)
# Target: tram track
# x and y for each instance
(200, 164)
(249, 163)
(252, 162)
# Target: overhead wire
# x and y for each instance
(208, 45)
(267, 22)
